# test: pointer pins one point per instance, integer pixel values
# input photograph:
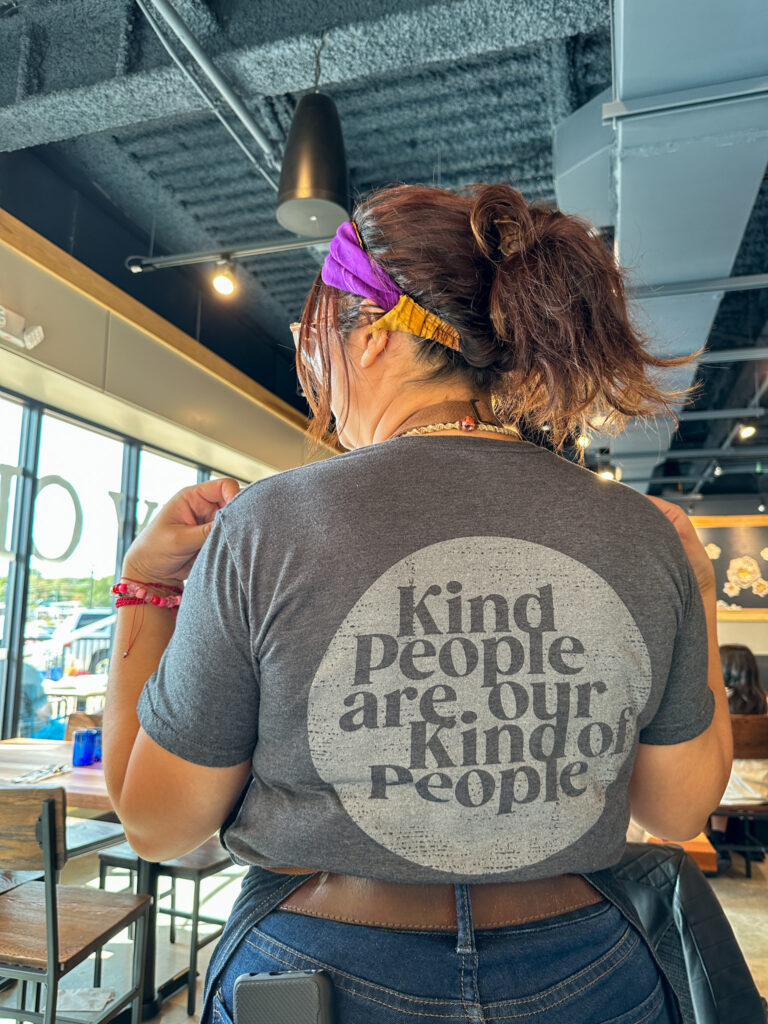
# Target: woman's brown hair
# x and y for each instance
(536, 296)
(742, 677)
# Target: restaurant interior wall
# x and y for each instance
(112, 360)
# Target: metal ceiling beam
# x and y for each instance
(731, 471)
(734, 355)
(684, 455)
(747, 413)
(744, 90)
(140, 264)
(745, 283)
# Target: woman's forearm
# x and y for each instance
(144, 631)
(722, 718)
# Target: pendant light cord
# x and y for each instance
(318, 51)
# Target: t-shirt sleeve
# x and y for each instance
(202, 703)
(687, 704)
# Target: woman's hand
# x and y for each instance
(165, 550)
(694, 549)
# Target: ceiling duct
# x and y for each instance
(672, 157)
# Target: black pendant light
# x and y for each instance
(313, 198)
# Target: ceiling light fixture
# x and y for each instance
(224, 278)
(313, 194)
(609, 472)
(747, 430)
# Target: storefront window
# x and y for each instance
(77, 527)
(70, 618)
(10, 443)
(159, 479)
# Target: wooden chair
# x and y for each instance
(208, 859)
(79, 720)
(750, 740)
(47, 929)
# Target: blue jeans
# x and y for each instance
(588, 966)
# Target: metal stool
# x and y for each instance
(208, 859)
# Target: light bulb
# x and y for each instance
(607, 474)
(583, 440)
(718, 470)
(761, 507)
(747, 430)
(223, 280)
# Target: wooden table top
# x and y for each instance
(85, 786)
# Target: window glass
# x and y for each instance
(220, 476)
(10, 442)
(159, 479)
(70, 617)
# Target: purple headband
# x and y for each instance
(351, 269)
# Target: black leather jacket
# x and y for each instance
(661, 890)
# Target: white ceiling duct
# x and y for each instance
(673, 159)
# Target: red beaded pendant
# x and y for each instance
(468, 423)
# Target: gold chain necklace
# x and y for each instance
(488, 428)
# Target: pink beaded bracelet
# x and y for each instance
(135, 593)
(142, 593)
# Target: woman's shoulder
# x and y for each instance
(302, 487)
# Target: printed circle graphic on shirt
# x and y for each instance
(477, 701)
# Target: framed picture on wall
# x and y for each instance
(738, 547)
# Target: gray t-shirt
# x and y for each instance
(439, 654)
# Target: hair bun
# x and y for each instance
(502, 223)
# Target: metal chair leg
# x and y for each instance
(192, 983)
(97, 957)
(139, 950)
(51, 996)
(173, 909)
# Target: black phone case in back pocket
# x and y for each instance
(290, 997)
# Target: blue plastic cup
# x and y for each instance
(82, 751)
(96, 743)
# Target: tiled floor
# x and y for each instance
(744, 900)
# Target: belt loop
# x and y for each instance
(465, 938)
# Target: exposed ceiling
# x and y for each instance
(107, 149)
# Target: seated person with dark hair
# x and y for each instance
(749, 778)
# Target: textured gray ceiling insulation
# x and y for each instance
(485, 114)
(74, 87)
